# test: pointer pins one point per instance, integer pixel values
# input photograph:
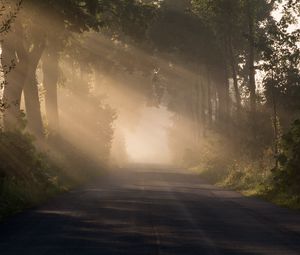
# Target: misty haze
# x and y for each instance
(149, 127)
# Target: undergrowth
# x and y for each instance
(29, 177)
(258, 176)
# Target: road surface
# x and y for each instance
(152, 211)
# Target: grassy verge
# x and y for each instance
(17, 195)
(29, 177)
(251, 181)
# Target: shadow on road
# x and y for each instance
(146, 212)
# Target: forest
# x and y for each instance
(76, 73)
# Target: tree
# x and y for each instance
(7, 18)
(27, 42)
(70, 17)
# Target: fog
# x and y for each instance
(172, 93)
(108, 112)
(147, 142)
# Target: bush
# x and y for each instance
(26, 175)
(245, 174)
(214, 155)
(225, 161)
(287, 175)
(19, 158)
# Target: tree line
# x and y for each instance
(228, 70)
(235, 91)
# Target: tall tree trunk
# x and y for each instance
(50, 71)
(197, 109)
(275, 123)
(203, 107)
(251, 59)
(234, 77)
(13, 50)
(223, 101)
(31, 93)
(209, 98)
(223, 96)
(200, 93)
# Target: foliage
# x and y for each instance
(6, 18)
(235, 76)
(26, 175)
(281, 56)
(8, 14)
(202, 62)
(94, 129)
(50, 26)
(287, 175)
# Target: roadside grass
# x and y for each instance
(251, 182)
(29, 177)
(17, 195)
